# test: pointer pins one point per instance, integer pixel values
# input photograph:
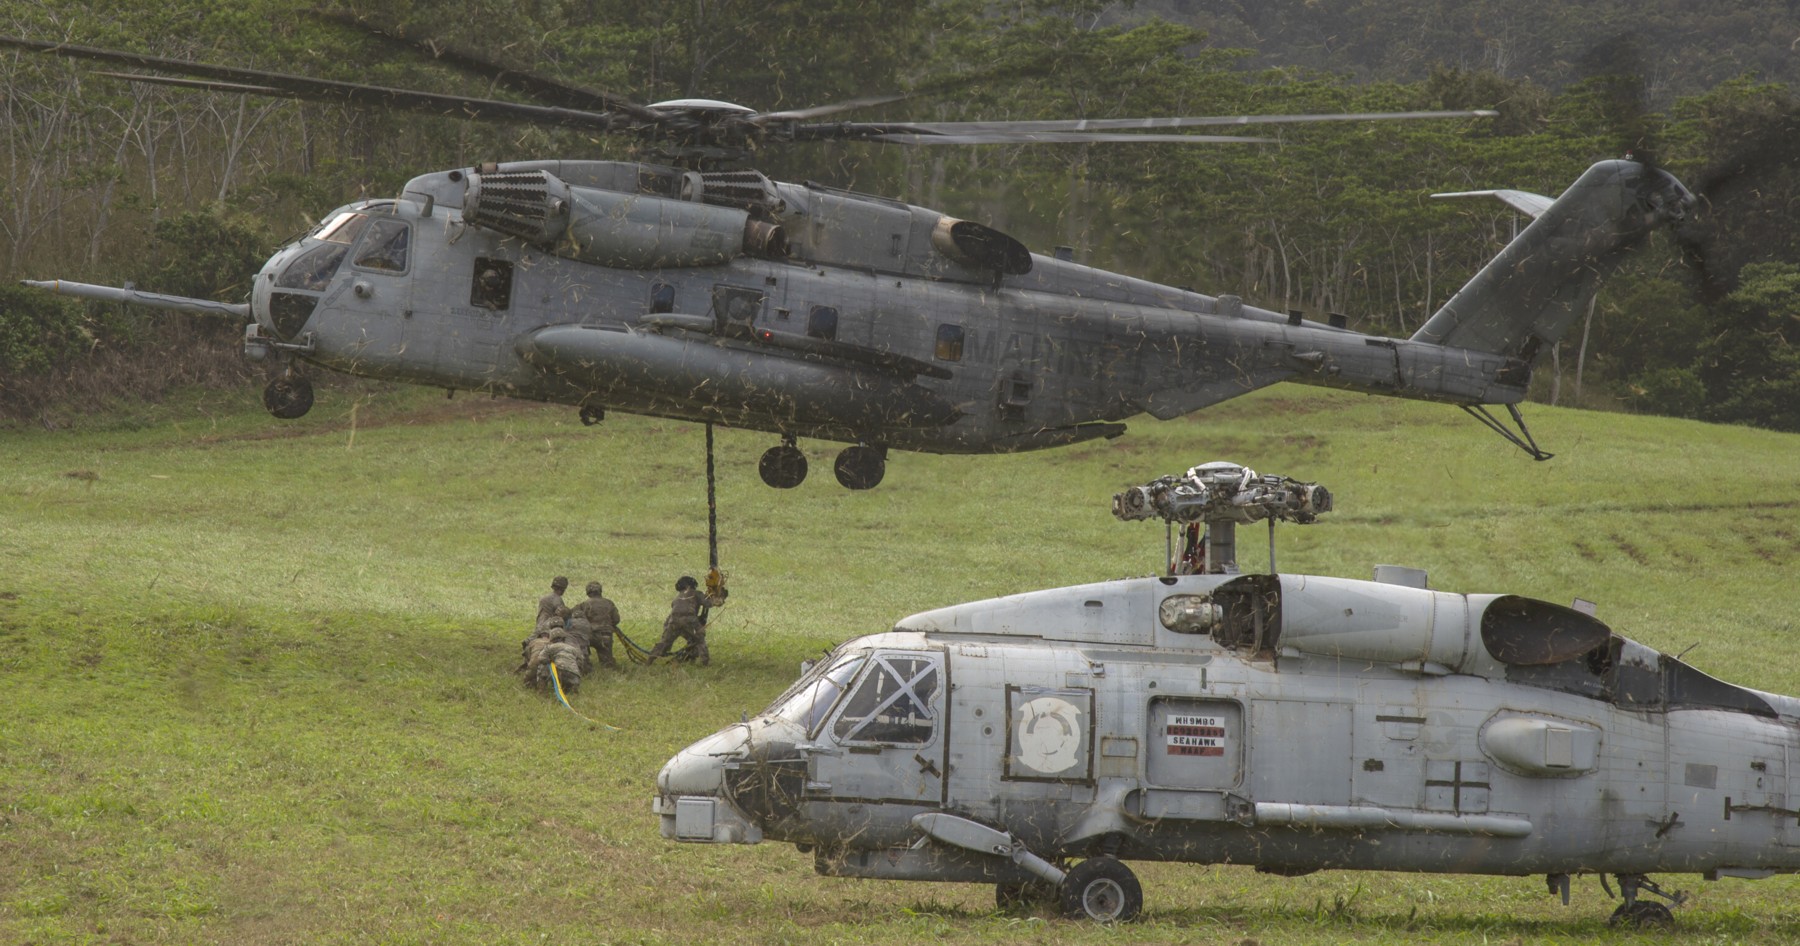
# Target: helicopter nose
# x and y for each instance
(690, 792)
(700, 768)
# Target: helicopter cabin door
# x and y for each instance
(887, 739)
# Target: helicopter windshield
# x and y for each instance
(808, 701)
(312, 270)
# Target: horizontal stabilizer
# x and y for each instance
(1525, 202)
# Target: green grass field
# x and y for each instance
(257, 681)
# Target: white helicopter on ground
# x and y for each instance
(1040, 741)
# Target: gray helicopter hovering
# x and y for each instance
(1295, 723)
(703, 290)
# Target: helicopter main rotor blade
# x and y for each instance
(1062, 137)
(821, 111)
(1125, 124)
(327, 90)
(544, 90)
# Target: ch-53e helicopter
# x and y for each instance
(705, 291)
(1291, 722)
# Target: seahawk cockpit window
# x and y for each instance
(810, 700)
(892, 703)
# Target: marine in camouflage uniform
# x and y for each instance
(595, 621)
(684, 620)
(564, 654)
(553, 647)
(531, 654)
(551, 610)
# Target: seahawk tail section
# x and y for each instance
(1526, 298)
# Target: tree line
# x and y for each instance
(185, 191)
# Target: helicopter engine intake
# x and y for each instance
(610, 228)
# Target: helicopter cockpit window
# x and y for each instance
(343, 228)
(891, 704)
(313, 269)
(810, 700)
(662, 298)
(491, 287)
(821, 322)
(386, 248)
(949, 342)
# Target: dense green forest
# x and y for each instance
(187, 192)
(1675, 48)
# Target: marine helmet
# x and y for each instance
(593, 589)
(559, 583)
(686, 582)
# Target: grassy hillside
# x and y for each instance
(257, 673)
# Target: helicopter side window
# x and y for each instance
(662, 298)
(735, 309)
(891, 704)
(491, 287)
(949, 342)
(386, 248)
(821, 322)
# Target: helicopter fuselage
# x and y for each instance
(862, 323)
(1294, 723)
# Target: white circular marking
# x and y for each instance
(1049, 735)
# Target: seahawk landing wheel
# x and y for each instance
(783, 466)
(1103, 890)
(861, 467)
(288, 397)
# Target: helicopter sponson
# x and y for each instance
(1295, 723)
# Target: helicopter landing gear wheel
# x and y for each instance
(783, 466)
(861, 467)
(1024, 896)
(591, 415)
(1643, 915)
(1103, 890)
(1637, 912)
(288, 397)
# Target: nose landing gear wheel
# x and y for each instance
(1103, 890)
(288, 398)
(783, 466)
(1643, 915)
(861, 467)
(591, 415)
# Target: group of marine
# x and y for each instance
(556, 653)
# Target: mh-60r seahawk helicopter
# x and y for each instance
(703, 290)
(1291, 722)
